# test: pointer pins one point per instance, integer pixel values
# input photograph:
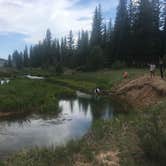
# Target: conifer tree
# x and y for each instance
(97, 28)
(121, 32)
(70, 41)
(144, 42)
(156, 15)
(47, 46)
(26, 58)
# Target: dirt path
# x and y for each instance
(142, 91)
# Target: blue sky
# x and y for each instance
(24, 22)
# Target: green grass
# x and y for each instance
(22, 95)
(90, 80)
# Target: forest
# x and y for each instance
(136, 38)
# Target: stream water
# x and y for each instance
(72, 122)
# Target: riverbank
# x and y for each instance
(120, 141)
(23, 95)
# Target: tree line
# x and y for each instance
(136, 38)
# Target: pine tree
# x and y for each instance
(25, 57)
(104, 35)
(79, 40)
(97, 28)
(145, 53)
(121, 32)
(70, 51)
(133, 12)
(157, 39)
(70, 41)
(156, 15)
(47, 45)
(108, 45)
(63, 49)
(164, 29)
(58, 54)
(17, 59)
(53, 52)
(110, 31)
(162, 13)
(82, 48)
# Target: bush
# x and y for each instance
(153, 139)
(118, 65)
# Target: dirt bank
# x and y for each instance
(9, 114)
(142, 91)
(5, 114)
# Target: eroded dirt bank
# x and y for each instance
(142, 91)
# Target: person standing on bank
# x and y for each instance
(161, 67)
(152, 70)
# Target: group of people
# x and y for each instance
(152, 68)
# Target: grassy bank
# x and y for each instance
(22, 95)
(105, 79)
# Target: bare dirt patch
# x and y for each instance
(106, 158)
(142, 91)
(9, 114)
(109, 158)
(5, 114)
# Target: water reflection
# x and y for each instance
(100, 108)
(72, 122)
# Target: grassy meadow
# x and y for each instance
(106, 79)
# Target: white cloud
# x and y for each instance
(33, 17)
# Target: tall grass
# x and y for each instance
(152, 135)
(31, 95)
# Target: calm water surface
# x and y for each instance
(72, 122)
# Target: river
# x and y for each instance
(73, 121)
